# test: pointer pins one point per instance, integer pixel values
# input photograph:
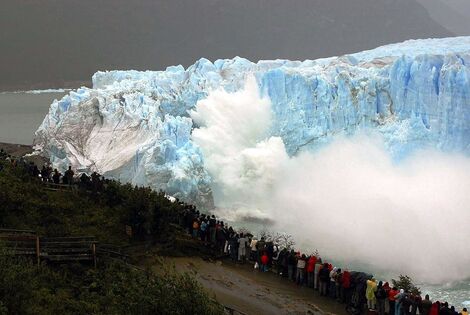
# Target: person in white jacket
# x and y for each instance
(254, 251)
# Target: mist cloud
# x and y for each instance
(349, 200)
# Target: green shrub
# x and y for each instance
(406, 283)
(113, 288)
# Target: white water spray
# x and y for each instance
(349, 199)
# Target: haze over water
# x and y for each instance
(21, 113)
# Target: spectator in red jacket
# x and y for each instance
(346, 286)
(311, 270)
(264, 262)
(391, 300)
(435, 308)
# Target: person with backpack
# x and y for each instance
(380, 296)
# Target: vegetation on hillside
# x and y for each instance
(25, 204)
(113, 287)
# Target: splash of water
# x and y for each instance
(350, 199)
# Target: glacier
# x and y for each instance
(135, 126)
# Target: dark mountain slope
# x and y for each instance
(454, 15)
(57, 41)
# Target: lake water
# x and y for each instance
(21, 113)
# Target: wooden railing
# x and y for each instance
(81, 248)
(111, 251)
(58, 187)
(58, 249)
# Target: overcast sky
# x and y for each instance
(51, 42)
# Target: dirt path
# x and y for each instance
(253, 292)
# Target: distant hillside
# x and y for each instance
(51, 42)
(454, 15)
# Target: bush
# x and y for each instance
(406, 283)
(113, 288)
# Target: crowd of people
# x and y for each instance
(355, 289)
(47, 174)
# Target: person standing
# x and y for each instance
(300, 270)
(242, 243)
(68, 175)
(391, 300)
(332, 285)
(435, 308)
(324, 277)
(212, 229)
(253, 252)
(370, 293)
(233, 246)
(416, 304)
(380, 295)
(426, 305)
(316, 283)
(264, 261)
(311, 270)
(56, 177)
(195, 228)
(406, 303)
(346, 286)
(291, 263)
(398, 301)
(338, 282)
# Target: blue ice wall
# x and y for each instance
(135, 125)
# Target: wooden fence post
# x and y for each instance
(38, 253)
(93, 248)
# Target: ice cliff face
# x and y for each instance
(135, 126)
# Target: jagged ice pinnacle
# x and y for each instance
(135, 126)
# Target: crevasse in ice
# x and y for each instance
(134, 126)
